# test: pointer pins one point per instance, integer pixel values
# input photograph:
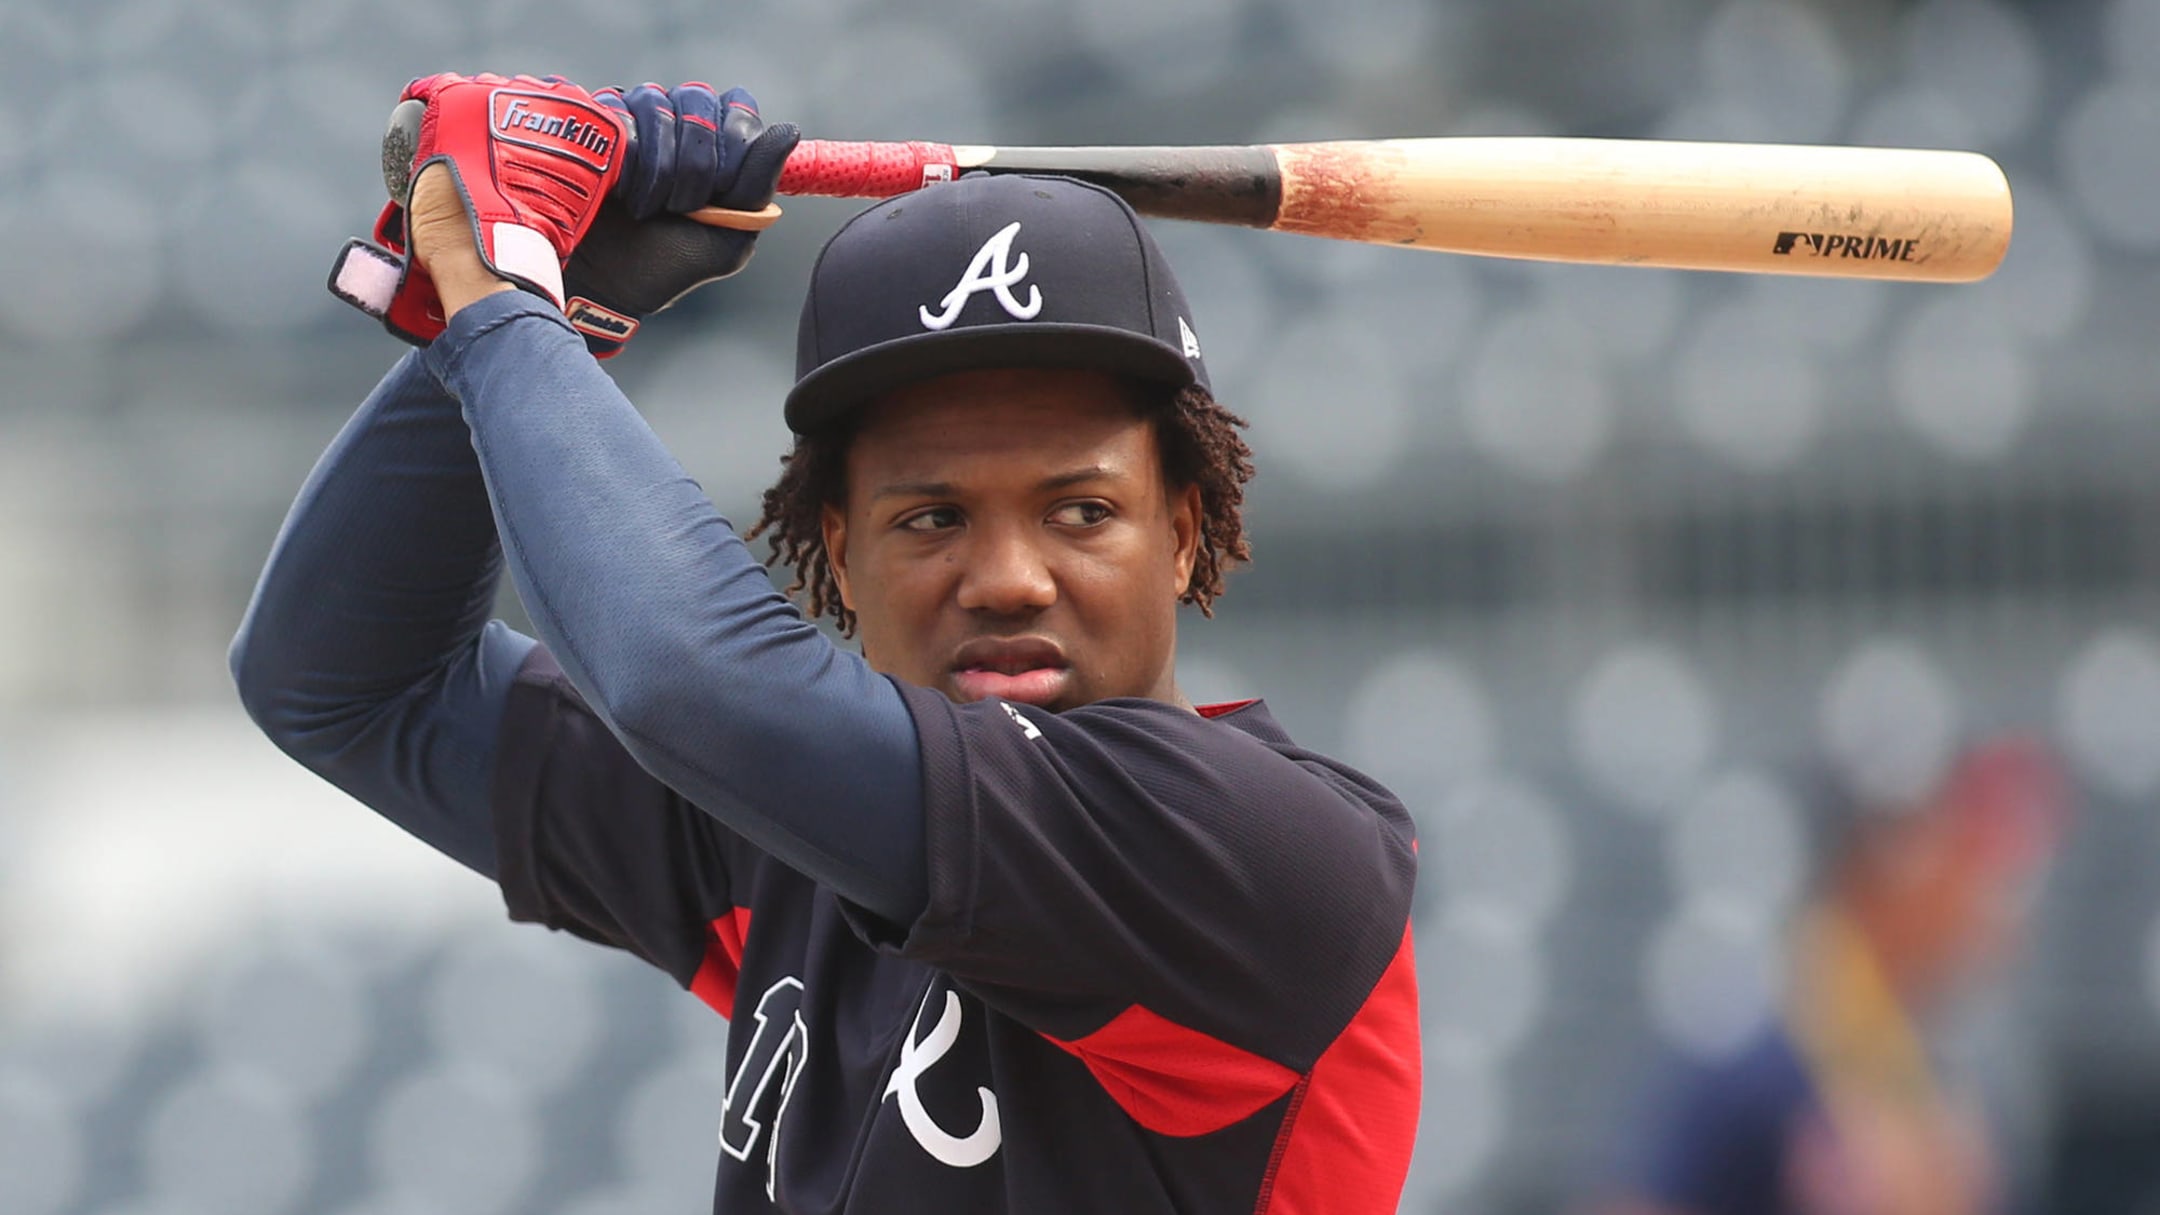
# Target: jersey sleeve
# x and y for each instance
(669, 627)
(1131, 879)
(592, 844)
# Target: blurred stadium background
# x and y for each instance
(1587, 563)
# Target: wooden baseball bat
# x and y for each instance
(1883, 213)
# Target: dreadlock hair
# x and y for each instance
(1200, 446)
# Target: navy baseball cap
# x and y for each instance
(983, 272)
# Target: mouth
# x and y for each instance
(1024, 670)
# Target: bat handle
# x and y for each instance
(845, 168)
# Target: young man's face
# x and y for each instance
(1009, 533)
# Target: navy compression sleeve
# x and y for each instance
(366, 652)
(669, 627)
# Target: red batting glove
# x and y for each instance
(532, 158)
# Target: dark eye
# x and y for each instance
(1080, 514)
(936, 518)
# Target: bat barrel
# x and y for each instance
(1760, 208)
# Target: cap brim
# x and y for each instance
(838, 388)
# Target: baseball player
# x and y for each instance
(1002, 921)
(1844, 1098)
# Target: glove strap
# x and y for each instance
(389, 288)
(523, 255)
(367, 277)
(374, 280)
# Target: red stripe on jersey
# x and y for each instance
(714, 981)
(1345, 1148)
(1224, 709)
(1173, 1080)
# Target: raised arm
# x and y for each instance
(366, 653)
(669, 627)
(654, 608)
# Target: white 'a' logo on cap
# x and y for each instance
(993, 269)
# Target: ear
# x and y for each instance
(832, 525)
(1186, 512)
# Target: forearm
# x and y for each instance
(365, 652)
(669, 627)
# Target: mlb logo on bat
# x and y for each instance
(574, 131)
(1865, 248)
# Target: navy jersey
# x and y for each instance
(1757, 1133)
(1165, 966)
(1719, 1138)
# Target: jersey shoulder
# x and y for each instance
(1253, 718)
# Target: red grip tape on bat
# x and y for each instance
(848, 168)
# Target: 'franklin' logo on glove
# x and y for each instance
(605, 323)
(583, 133)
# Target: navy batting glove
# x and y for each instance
(691, 147)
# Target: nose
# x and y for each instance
(1006, 574)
